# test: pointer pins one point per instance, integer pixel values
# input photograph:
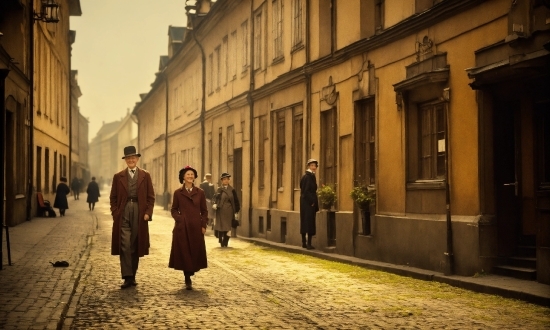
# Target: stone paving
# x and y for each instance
(245, 286)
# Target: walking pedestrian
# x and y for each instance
(132, 200)
(93, 194)
(75, 187)
(309, 204)
(208, 187)
(61, 193)
(190, 213)
(227, 208)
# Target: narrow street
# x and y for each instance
(251, 287)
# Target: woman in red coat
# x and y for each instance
(191, 215)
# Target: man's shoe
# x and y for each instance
(126, 284)
(310, 247)
(304, 245)
(188, 284)
(133, 282)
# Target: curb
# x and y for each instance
(463, 282)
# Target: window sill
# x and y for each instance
(278, 60)
(299, 46)
(426, 185)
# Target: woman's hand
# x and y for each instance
(203, 230)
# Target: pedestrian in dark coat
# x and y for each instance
(93, 194)
(61, 193)
(227, 208)
(132, 201)
(190, 213)
(75, 187)
(309, 204)
(208, 187)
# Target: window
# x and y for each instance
(230, 145)
(47, 170)
(364, 143)
(211, 74)
(233, 56)
(220, 141)
(258, 42)
(210, 154)
(298, 140)
(281, 147)
(379, 8)
(278, 15)
(39, 169)
(329, 152)
(261, 151)
(244, 33)
(432, 142)
(297, 23)
(225, 60)
(217, 72)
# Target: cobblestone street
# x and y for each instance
(250, 287)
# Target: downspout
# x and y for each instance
(203, 96)
(251, 123)
(31, 107)
(166, 193)
(71, 113)
(3, 75)
(449, 254)
(308, 85)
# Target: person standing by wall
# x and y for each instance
(61, 193)
(93, 194)
(208, 187)
(190, 212)
(75, 187)
(132, 200)
(227, 207)
(309, 204)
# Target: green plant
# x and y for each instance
(327, 195)
(363, 196)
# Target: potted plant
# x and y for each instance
(363, 196)
(327, 196)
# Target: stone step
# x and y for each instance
(516, 272)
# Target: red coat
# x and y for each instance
(191, 215)
(146, 202)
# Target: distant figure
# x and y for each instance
(227, 208)
(309, 204)
(75, 187)
(61, 193)
(93, 194)
(190, 213)
(209, 192)
(132, 201)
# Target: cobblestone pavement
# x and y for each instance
(250, 287)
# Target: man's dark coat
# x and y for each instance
(309, 204)
(146, 202)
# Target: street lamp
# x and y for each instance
(48, 12)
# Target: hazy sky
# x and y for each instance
(116, 52)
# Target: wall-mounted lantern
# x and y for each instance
(48, 12)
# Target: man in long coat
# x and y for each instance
(309, 204)
(132, 200)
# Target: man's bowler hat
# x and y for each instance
(130, 151)
(225, 175)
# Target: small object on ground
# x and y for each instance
(60, 264)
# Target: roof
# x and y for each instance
(176, 33)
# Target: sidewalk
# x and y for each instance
(508, 287)
(33, 293)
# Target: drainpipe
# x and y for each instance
(3, 75)
(31, 108)
(203, 94)
(251, 122)
(166, 193)
(308, 86)
(449, 255)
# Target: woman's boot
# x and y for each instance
(226, 240)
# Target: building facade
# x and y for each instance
(441, 107)
(79, 136)
(35, 48)
(106, 148)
